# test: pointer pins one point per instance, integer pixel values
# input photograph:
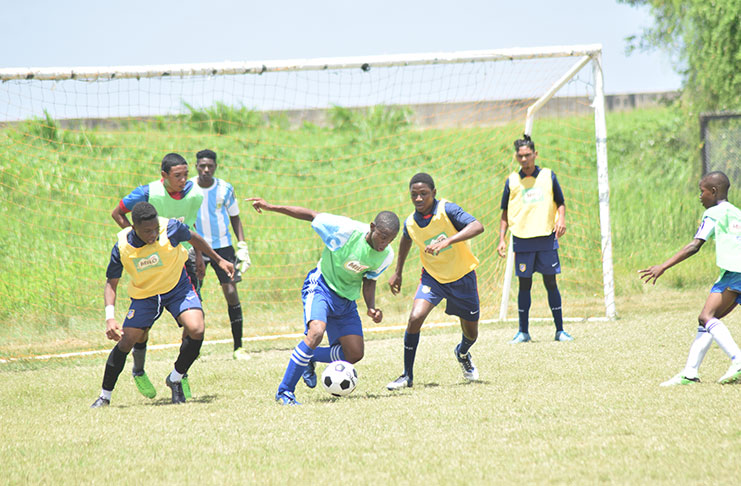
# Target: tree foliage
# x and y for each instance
(704, 39)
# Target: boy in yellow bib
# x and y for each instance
(533, 209)
(440, 229)
(154, 257)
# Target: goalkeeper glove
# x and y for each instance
(243, 257)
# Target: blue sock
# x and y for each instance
(300, 358)
(411, 341)
(554, 301)
(465, 345)
(523, 303)
(329, 354)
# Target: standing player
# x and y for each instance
(174, 196)
(723, 221)
(533, 209)
(354, 256)
(440, 229)
(218, 211)
(153, 256)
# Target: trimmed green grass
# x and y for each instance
(584, 412)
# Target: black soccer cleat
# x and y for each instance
(100, 402)
(178, 396)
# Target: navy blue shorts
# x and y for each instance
(545, 262)
(462, 296)
(143, 312)
(321, 303)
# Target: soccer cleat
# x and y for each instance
(309, 375)
(563, 336)
(733, 375)
(241, 354)
(520, 337)
(680, 379)
(469, 370)
(177, 390)
(144, 386)
(286, 398)
(186, 387)
(100, 402)
(401, 382)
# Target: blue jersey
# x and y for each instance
(219, 204)
(176, 232)
(141, 194)
(539, 243)
(456, 214)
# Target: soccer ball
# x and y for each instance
(339, 378)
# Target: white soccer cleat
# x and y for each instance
(733, 375)
(680, 379)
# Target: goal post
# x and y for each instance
(341, 135)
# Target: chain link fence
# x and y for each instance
(720, 133)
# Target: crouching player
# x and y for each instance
(354, 256)
(723, 221)
(154, 259)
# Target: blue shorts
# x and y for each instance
(321, 303)
(143, 312)
(545, 262)
(728, 281)
(462, 296)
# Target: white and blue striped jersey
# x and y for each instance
(218, 205)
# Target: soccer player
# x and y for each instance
(723, 221)
(218, 211)
(354, 256)
(153, 256)
(533, 209)
(441, 230)
(174, 196)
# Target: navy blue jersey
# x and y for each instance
(456, 214)
(176, 232)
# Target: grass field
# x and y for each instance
(584, 412)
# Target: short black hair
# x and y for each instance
(719, 180)
(172, 160)
(143, 211)
(525, 141)
(387, 221)
(206, 154)
(424, 178)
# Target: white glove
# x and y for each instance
(243, 257)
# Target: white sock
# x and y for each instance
(723, 337)
(701, 344)
(106, 394)
(175, 376)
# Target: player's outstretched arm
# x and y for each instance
(202, 245)
(297, 212)
(369, 296)
(651, 274)
(112, 328)
(395, 280)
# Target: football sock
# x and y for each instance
(300, 358)
(327, 354)
(235, 316)
(523, 303)
(723, 337)
(411, 341)
(465, 345)
(113, 367)
(106, 394)
(139, 354)
(554, 300)
(188, 353)
(701, 344)
(175, 376)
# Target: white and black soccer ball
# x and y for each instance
(339, 378)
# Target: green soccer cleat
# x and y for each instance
(144, 386)
(680, 379)
(186, 386)
(241, 355)
(733, 375)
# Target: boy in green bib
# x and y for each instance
(723, 221)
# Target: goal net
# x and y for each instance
(336, 135)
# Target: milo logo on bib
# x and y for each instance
(437, 239)
(355, 266)
(532, 195)
(151, 261)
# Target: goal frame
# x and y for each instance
(583, 54)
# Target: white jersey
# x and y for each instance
(218, 205)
